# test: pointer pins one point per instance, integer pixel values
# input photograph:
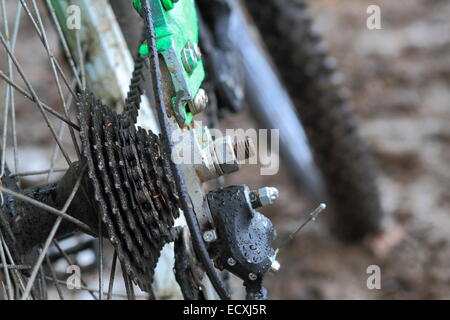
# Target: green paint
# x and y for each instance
(168, 4)
(60, 7)
(137, 5)
(143, 50)
(176, 24)
(189, 117)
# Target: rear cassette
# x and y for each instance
(132, 183)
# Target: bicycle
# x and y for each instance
(128, 173)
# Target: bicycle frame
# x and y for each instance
(104, 69)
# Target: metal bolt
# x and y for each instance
(189, 58)
(226, 161)
(264, 197)
(200, 102)
(210, 236)
(244, 149)
(198, 52)
(268, 195)
(252, 276)
(275, 266)
(231, 262)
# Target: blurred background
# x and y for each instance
(400, 82)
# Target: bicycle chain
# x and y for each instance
(131, 179)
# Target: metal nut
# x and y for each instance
(268, 195)
(200, 102)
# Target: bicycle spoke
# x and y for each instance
(8, 289)
(85, 288)
(31, 98)
(33, 93)
(16, 272)
(62, 38)
(41, 36)
(12, 93)
(7, 93)
(37, 172)
(70, 262)
(51, 236)
(41, 258)
(48, 208)
(128, 285)
(112, 276)
(19, 81)
(100, 257)
(15, 267)
(56, 149)
(52, 59)
(60, 134)
(55, 152)
(43, 295)
(52, 271)
(4, 289)
(80, 59)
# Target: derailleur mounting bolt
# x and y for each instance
(200, 102)
(190, 57)
(264, 197)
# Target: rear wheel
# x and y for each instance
(310, 76)
(39, 92)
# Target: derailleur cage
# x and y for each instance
(244, 237)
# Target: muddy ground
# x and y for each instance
(400, 80)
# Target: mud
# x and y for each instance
(399, 78)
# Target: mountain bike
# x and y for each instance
(141, 172)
